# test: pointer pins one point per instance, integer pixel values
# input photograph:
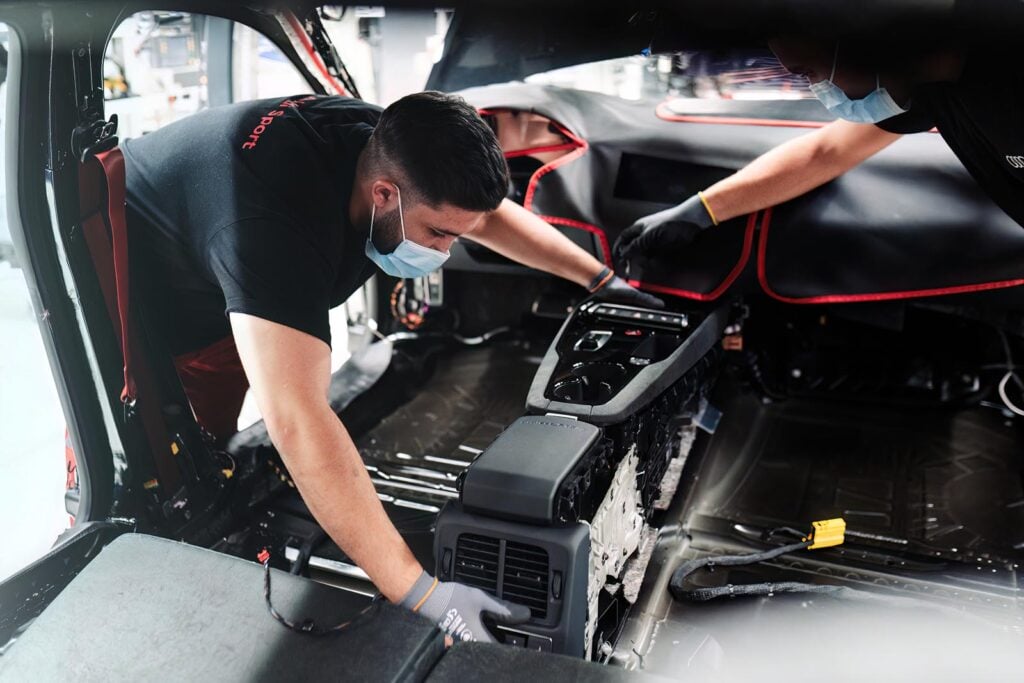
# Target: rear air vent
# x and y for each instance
(525, 576)
(476, 561)
(525, 580)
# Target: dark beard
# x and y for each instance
(387, 231)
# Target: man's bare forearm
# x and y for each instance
(335, 485)
(515, 233)
(796, 167)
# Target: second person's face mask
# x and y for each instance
(877, 106)
(408, 259)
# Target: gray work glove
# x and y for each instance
(457, 609)
(614, 289)
(667, 230)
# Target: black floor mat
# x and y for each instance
(943, 482)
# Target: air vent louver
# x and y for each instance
(525, 578)
(476, 562)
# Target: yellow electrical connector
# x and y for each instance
(826, 533)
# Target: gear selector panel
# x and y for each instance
(607, 358)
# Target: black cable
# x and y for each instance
(306, 551)
(757, 378)
(788, 530)
(306, 626)
(752, 589)
(679, 576)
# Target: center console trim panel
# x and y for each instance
(648, 384)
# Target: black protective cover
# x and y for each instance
(24, 595)
(495, 663)
(908, 222)
(898, 225)
(149, 609)
(518, 476)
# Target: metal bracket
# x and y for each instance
(92, 138)
(93, 134)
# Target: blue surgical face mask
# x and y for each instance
(408, 259)
(877, 106)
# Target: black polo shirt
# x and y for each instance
(244, 208)
(981, 117)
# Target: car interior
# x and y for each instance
(849, 355)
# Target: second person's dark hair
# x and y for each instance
(444, 148)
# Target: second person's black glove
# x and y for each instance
(611, 288)
(667, 230)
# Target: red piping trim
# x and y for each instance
(606, 250)
(581, 149)
(748, 247)
(293, 21)
(663, 113)
(762, 276)
(576, 143)
(540, 150)
(561, 129)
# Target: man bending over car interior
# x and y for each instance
(249, 222)
(972, 95)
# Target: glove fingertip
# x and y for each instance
(513, 614)
(645, 248)
(626, 251)
(655, 302)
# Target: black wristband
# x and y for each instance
(599, 279)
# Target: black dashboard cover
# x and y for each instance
(587, 190)
(151, 609)
(518, 476)
(908, 222)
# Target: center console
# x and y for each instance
(552, 511)
(610, 360)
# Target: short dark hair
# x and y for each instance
(443, 147)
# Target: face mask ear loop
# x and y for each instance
(835, 63)
(401, 218)
(373, 213)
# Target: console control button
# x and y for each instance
(515, 639)
(556, 585)
(538, 643)
(446, 563)
(592, 340)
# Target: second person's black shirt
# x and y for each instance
(981, 117)
(244, 208)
